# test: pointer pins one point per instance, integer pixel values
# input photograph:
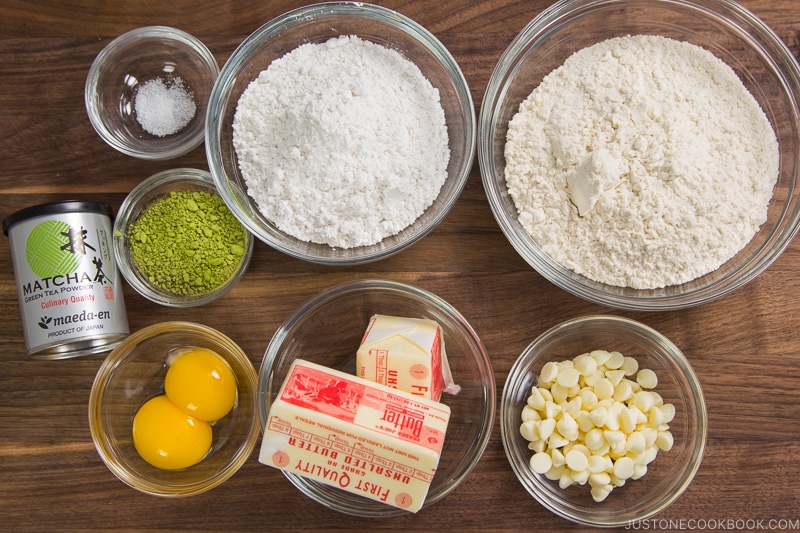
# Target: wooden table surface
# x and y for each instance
(743, 347)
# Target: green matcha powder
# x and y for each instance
(187, 242)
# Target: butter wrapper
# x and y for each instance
(354, 434)
(407, 354)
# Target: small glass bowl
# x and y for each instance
(139, 199)
(667, 476)
(327, 330)
(763, 63)
(133, 373)
(316, 24)
(136, 57)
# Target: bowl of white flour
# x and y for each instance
(643, 154)
(340, 133)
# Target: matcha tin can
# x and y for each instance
(68, 284)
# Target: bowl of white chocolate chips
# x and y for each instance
(603, 421)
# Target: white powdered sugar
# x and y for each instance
(641, 162)
(341, 143)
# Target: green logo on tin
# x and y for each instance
(54, 248)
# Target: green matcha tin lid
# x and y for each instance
(176, 241)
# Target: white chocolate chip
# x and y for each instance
(536, 400)
(555, 473)
(549, 372)
(669, 412)
(623, 391)
(623, 468)
(568, 377)
(644, 400)
(546, 427)
(585, 364)
(560, 393)
(599, 416)
(604, 389)
(577, 460)
(647, 379)
(568, 427)
(636, 442)
(615, 376)
(592, 379)
(556, 440)
(580, 476)
(558, 458)
(601, 356)
(598, 463)
(614, 361)
(594, 439)
(599, 479)
(601, 493)
(541, 462)
(528, 430)
(630, 366)
(529, 413)
(664, 440)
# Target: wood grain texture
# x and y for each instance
(744, 347)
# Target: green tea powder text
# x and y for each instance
(187, 242)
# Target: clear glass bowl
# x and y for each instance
(133, 58)
(133, 373)
(667, 476)
(139, 199)
(327, 330)
(315, 24)
(764, 64)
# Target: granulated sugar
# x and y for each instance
(163, 108)
(341, 143)
(641, 162)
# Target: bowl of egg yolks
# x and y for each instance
(172, 409)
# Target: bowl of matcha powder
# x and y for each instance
(177, 243)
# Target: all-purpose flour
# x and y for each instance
(642, 161)
(342, 143)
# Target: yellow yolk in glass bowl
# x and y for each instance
(168, 438)
(202, 384)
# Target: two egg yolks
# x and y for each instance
(173, 431)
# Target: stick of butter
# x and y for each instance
(354, 434)
(407, 354)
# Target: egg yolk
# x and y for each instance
(168, 438)
(201, 383)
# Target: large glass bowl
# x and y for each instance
(315, 24)
(327, 330)
(763, 63)
(667, 476)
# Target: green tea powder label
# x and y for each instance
(68, 285)
(187, 243)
